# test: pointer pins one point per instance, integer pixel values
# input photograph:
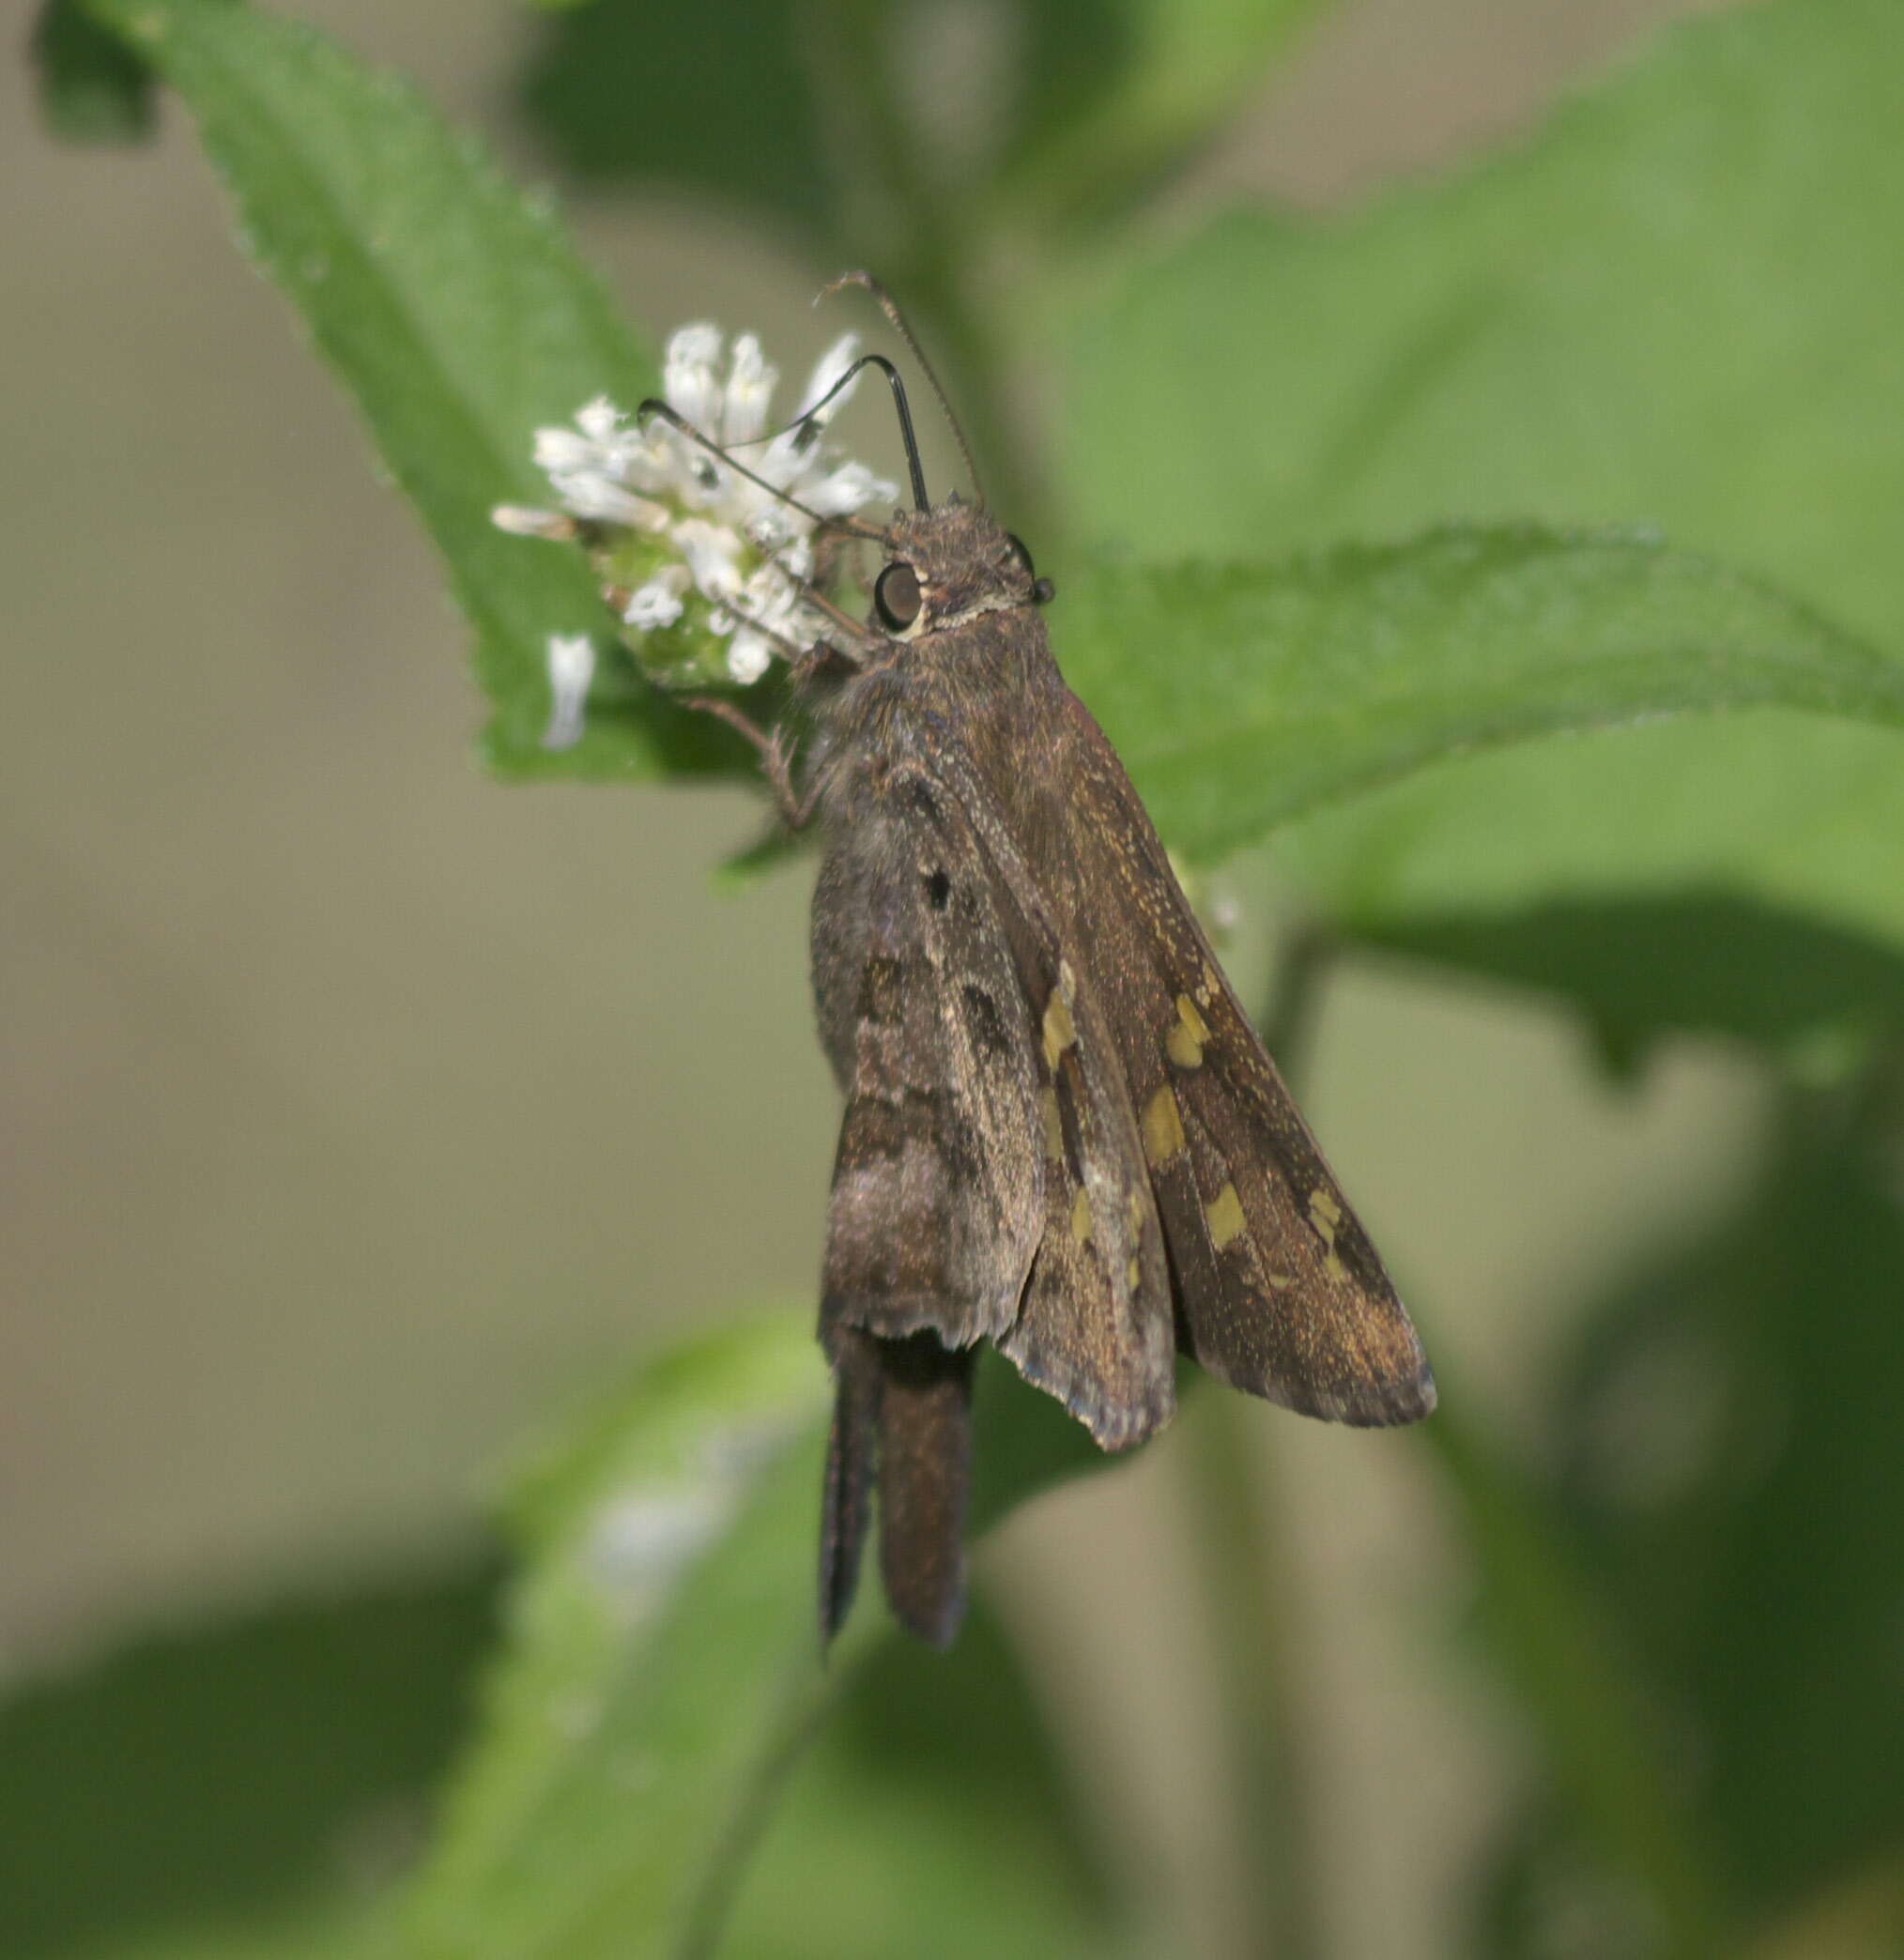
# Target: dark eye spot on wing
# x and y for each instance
(984, 1020)
(938, 889)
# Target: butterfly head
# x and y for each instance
(947, 564)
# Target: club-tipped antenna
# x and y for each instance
(890, 307)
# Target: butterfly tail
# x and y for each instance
(925, 1474)
(902, 1417)
(847, 1499)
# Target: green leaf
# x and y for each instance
(92, 88)
(1096, 99)
(1731, 1462)
(1680, 303)
(664, 1673)
(1801, 822)
(456, 315)
(710, 99)
(1674, 306)
(1113, 94)
(1241, 695)
(656, 1659)
(932, 1819)
(1567, 1654)
(240, 1786)
(1713, 960)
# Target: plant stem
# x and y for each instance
(1545, 1621)
(929, 254)
(1247, 1592)
(1289, 1025)
(1578, 1687)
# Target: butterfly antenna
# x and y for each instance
(655, 410)
(890, 307)
(915, 468)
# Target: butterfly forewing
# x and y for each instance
(1278, 1290)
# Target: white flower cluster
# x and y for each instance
(716, 550)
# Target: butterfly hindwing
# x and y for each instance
(938, 1185)
(1095, 1327)
(938, 1196)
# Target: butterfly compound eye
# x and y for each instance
(1041, 589)
(896, 597)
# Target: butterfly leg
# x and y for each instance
(777, 757)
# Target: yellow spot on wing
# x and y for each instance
(1080, 1218)
(1133, 1273)
(1184, 1044)
(1059, 1032)
(1325, 1215)
(1163, 1134)
(1224, 1213)
(1054, 1124)
(1206, 989)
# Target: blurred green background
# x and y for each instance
(361, 1114)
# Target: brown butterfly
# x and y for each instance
(1062, 1133)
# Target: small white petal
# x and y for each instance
(774, 528)
(571, 667)
(688, 379)
(589, 494)
(659, 601)
(565, 450)
(697, 345)
(795, 558)
(699, 481)
(784, 460)
(807, 625)
(825, 376)
(650, 461)
(769, 595)
(598, 419)
(847, 489)
(712, 551)
(750, 392)
(522, 522)
(749, 655)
